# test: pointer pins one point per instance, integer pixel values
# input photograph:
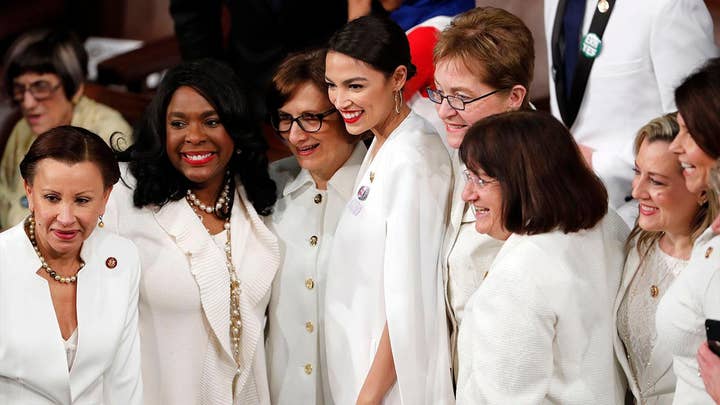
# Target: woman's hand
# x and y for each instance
(709, 368)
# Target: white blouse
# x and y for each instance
(304, 218)
(636, 314)
(71, 348)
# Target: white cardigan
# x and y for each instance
(539, 329)
(185, 304)
(33, 362)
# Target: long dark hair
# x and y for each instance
(158, 182)
(698, 101)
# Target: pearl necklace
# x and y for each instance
(45, 265)
(223, 203)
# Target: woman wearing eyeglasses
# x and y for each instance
(539, 329)
(385, 331)
(44, 76)
(314, 186)
(483, 66)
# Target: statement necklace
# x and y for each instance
(223, 204)
(45, 265)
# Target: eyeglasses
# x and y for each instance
(308, 122)
(476, 181)
(456, 102)
(40, 90)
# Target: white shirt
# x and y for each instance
(384, 269)
(294, 341)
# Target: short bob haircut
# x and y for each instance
(698, 101)
(376, 40)
(71, 145)
(296, 70)
(45, 51)
(544, 180)
(158, 182)
(664, 129)
(493, 44)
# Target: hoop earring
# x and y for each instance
(101, 224)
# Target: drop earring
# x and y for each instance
(101, 224)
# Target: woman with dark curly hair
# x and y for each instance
(196, 184)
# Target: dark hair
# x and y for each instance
(47, 51)
(157, 179)
(544, 180)
(71, 145)
(376, 40)
(698, 101)
(296, 70)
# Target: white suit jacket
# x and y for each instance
(648, 48)
(383, 268)
(173, 244)
(539, 329)
(33, 363)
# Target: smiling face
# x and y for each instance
(695, 162)
(486, 202)
(665, 204)
(323, 152)
(453, 78)
(362, 94)
(50, 112)
(197, 145)
(66, 200)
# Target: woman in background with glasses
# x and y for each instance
(314, 185)
(386, 336)
(539, 329)
(44, 76)
(483, 66)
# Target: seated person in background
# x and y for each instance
(44, 74)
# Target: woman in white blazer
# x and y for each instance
(670, 218)
(694, 296)
(539, 328)
(385, 329)
(314, 185)
(195, 185)
(68, 291)
(483, 66)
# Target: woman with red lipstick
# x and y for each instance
(68, 291)
(44, 76)
(195, 187)
(314, 185)
(539, 328)
(483, 66)
(658, 248)
(695, 294)
(386, 336)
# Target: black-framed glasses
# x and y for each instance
(476, 181)
(40, 90)
(308, 122)
(456, 102)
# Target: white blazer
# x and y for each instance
(384, 269)
(185, 300)
(648, 48)
(33, 362)
(295, 323)
(539, 329)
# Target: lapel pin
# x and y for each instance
(708, 252)
(111, 262)
(372, 177)
(363, 193)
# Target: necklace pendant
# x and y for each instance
(654, 291)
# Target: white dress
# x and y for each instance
(647, 365)
(681, 314)
(304, 219)
(384, 269)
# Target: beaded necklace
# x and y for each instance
(43, 262)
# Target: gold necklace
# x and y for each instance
(43, 262)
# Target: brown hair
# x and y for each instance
(71, 145)
(296, 70)
(493, 44)
(698, 101)
(664, 129)
(544, 180)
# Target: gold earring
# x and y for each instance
(101, 224)
(398, 98)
